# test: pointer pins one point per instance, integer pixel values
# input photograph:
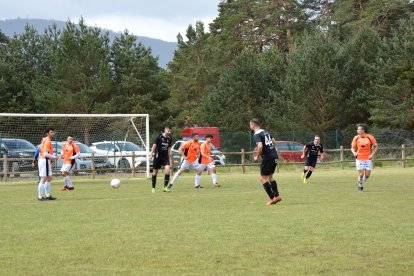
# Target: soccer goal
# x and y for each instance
(116, 143)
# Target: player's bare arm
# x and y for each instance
(182, 154)
(259, 151)
(374, 151)
(353, 150)
(303, 153)
(154, 146)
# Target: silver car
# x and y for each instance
(119, 153)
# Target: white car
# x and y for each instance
(218, 157)
(119, 153)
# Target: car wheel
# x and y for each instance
(123, 164)
(15, 168)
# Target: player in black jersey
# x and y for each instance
(311, 152)
(266, 149)
(162, 150)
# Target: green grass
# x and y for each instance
(325, 227)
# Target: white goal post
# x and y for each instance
(116, 134)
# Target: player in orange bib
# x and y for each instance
(190, 151)
(45, 166)
(364, 146)
(70, 152)
(206, 161)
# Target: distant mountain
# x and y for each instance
(163, 49)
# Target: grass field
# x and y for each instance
(325, 227)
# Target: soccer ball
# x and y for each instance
(115, 183)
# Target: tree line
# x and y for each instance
(295, 64)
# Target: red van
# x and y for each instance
(202, 132)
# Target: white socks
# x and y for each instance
(197, 180)
(47, 188)
(214, 177)
(67, 181)
(175, 178)
(360, 181)
(41, 190)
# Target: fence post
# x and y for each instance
(341, 156)
(93, 165)
(5, 167)
(243, 158)
(403, 155)
(133, 164)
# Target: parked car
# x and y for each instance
(289, 151)
(17, 148)
(101, 160)
(119, 153)
(218, 157)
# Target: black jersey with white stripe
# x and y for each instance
(269, 150)
(163, 144)
(312, 149)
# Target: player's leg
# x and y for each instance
(199, 170)
(48, 185)
(308, 164)
(197, 179)
(64, 172)
(167, 169)
(305, 170)
(311, 168)
(360, 166)
(213, 173)
(42, 175)
(367, 171)
(65, 180)
(68, 179)
(154, 179)
(265, 179)
(184, 165)
(273, 185)
(155, 168)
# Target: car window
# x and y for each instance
(18, 145)
(296, 147)
(282, 146)
(105, 146)
(84, 148)
(177, 145)
(128, 146)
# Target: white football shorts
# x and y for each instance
(363, 165)
(209, 166)
(67, 168)
(186, 165)
(45, 169)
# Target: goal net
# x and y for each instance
(109, 143)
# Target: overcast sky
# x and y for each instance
(161, 19)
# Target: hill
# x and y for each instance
(163, 49)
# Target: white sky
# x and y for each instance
(162, 19)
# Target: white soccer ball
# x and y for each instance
(115, 183)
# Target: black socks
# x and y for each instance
(166, 180)
(273, 185)
(154, 181)
(268, 190)
(309, 174)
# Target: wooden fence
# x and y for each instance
(9, 169)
